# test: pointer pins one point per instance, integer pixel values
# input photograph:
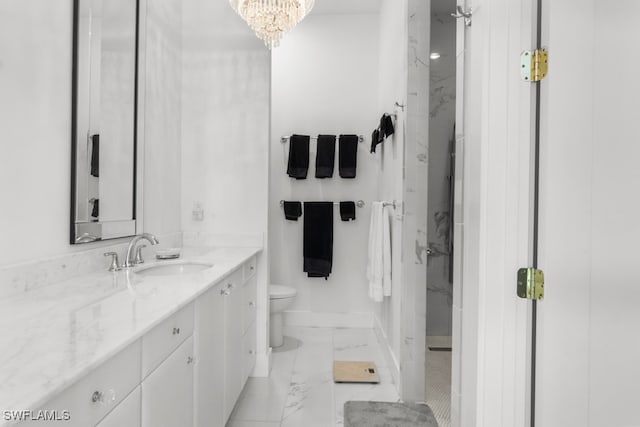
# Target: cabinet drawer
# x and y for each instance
(92, 397)
(249, 268)
(158, 343)
(126, 414)
(233, 281)
(249, 297)
(249, 352)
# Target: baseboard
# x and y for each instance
(438, 341)
(262, 367)
(328, 320)
(392, 362)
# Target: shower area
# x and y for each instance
(441, 160)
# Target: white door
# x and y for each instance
(588, 329)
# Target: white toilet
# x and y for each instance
(281, 297)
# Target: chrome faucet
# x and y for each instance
(129, 260)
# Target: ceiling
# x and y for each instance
(325, 7)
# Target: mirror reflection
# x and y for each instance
(104, 140)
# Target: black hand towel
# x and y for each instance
(318, 239)
(347, 211)
(386, 126)
(348, 155)
(95, 155)
(95, 211)
(375, 140)
(292, 210)
(298, 156)
(325, 156)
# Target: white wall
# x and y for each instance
(35, 128)
(225, 126)
(325, 80)
(225, 140)
(163, 116)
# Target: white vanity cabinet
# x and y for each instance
(209, 369)
(92, 397)
(187, 371)
(225, 345)
(167, 393)
(232, 293)
(126, 414)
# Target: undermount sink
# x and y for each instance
(176, 268)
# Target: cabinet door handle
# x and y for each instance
(251, 352)
(231, 286)
(251, 268)
(176, 331)
(252, 304)
(190, 360)
(97, 396)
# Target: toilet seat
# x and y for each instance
(280, 292)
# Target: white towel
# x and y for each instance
(379, 260)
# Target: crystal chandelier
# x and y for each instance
(270, 19)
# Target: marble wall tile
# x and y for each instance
(37, 273)
(415, 234)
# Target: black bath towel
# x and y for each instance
(95, 155)
(325, 156)
(292, 210)
(348, 155)
(318, 239)
(298, 156)
(347, 211)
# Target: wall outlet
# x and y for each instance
(197, 214)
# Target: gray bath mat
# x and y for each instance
(387, 414)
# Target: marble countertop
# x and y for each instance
(52, 336)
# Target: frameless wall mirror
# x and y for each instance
(104, 200)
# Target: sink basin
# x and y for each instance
(173, 269)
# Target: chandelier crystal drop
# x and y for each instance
(270, 19)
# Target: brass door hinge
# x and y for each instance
(530, 283)
(534, 64)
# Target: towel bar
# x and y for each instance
(284, 139)
(359, 203)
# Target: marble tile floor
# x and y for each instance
(300, 390)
